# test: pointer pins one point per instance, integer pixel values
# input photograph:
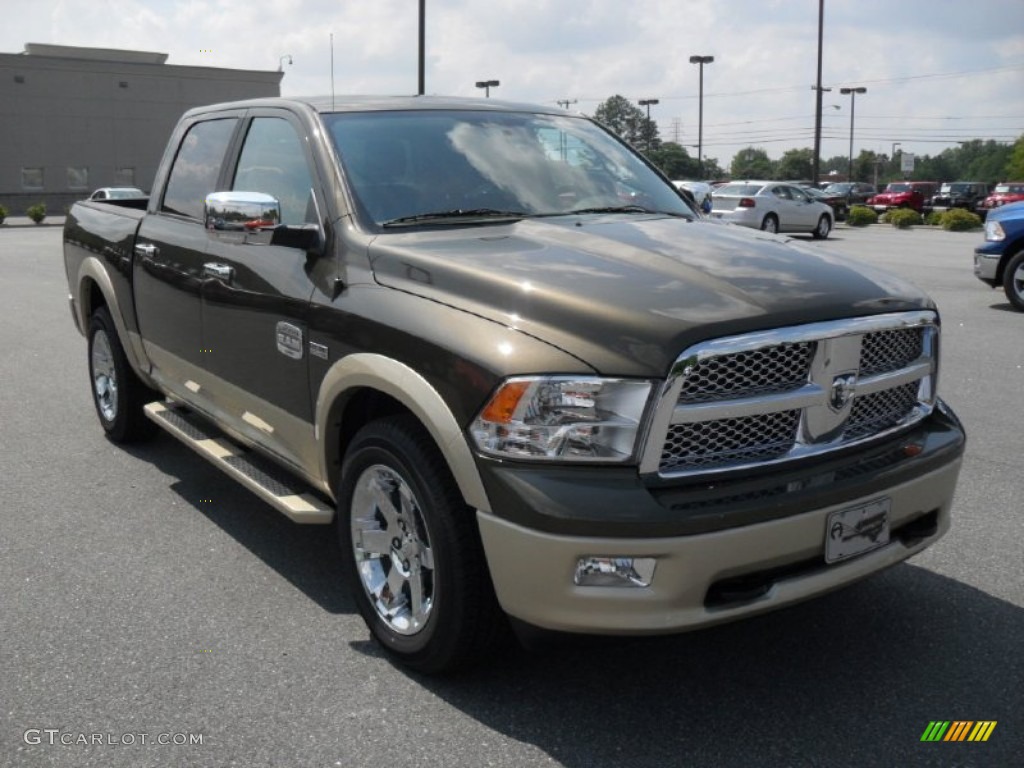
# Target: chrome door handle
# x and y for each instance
(220, 271)
(146, 249)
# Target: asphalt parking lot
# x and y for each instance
(142, 593)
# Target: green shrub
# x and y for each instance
(933, 218)
(3, 214)
(960, 220)
(903, 218)
(36, 212)
(861, 216)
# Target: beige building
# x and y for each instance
(74, 119)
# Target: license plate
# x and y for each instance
(856, 530)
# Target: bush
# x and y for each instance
(934, 218)
(36, 212)
(959, 220)
(861, 216)
(903, 218)
(3, 214)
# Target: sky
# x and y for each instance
(936, 71)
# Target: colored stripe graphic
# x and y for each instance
(958, 730)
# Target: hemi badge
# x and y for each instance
(318, 350)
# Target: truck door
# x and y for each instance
(256, 297)
(170, 250)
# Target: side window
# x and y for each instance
(782, 192)
(272, 162)
(195, 170)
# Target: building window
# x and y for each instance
(78, 178)
(124, 177)
(32, 178)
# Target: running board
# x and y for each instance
(271, 484)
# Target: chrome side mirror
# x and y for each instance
(245, 212)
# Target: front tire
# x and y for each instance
(770, 223)
(824, 227)
(117, 392)
(412, 550)
(1013, 281)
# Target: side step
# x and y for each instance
(271, 484)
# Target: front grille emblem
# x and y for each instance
(842, 391)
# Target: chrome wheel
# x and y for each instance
(1013, 281)
(1017, 282)
(392, 549)
(770, 224)
(104, 376)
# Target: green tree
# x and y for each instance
(628, 121)
(712, 170)
(752, 163)
(674, 161)
(1014, 168)
(795, 164)
(864, 166)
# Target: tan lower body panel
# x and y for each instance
(301, 506)
(533, 571)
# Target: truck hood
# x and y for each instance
(627, 294)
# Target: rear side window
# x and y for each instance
(197, 166)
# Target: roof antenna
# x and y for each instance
(332, 71)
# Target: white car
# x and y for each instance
(116, 193)
(774, 206)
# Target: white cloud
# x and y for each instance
(758, 91)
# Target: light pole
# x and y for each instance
(853, 106)
(487, 85)
(701, 60)
(647, 103)
(816, 162)
(280, 62)
(893, 155)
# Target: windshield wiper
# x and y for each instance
(617, 209)
(472, 214)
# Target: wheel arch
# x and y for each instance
(95, 289)
(1017, 246)
(365, 386)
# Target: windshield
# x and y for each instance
(898, 188)
(837, 189)
(1004, 189)
(414, 166)
(738, 190)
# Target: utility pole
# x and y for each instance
(423, 40)
(564, 103)
(816, 169)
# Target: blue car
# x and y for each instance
(1000, 259)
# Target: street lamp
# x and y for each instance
(487, 85)
(853, 106)
(647, 103)
(280, 63)
(701, 60)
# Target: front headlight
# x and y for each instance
(562, 418)
(994, 231)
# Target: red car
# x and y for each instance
(1004, 194)
(904, 194)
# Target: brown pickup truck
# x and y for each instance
(518, 372)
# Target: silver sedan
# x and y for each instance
(773, 206)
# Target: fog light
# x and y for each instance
(599, 571)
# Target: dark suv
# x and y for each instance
(843, 194)
(959, 194)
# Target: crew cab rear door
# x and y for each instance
(256, 295)
(170, 250)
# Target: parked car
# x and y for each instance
(999, 261)
(959, 194)
(904, 194)
(843, 194)
(773, 206)
(117, 193)
(1003, 194)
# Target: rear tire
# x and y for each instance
(411, 549)
(117, 392)
(824, 227)
(1013, 281)
(770, 223)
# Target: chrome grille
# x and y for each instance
(727, 441)
(881, 410)
(781, 395)
(884, 351)
(743, 374)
